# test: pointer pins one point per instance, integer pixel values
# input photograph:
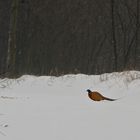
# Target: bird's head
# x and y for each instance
(88, 90)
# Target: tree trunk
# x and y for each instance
(11, 53)
(114, 35)
(137, 33)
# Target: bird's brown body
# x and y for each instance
(96, 96)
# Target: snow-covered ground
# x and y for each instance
(58, 108)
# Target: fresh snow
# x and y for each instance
(58, 108)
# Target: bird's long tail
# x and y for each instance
(109, 99)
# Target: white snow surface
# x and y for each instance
(58, 108)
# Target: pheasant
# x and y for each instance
(96, 96)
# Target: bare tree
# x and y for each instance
(137, 31)
(11, 53)
(114, 35)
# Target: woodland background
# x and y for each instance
(55, 37)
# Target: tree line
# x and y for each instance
(74, 36)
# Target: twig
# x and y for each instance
(2, 133)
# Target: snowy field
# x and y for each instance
(58, 108)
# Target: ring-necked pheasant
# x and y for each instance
(96, 96)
